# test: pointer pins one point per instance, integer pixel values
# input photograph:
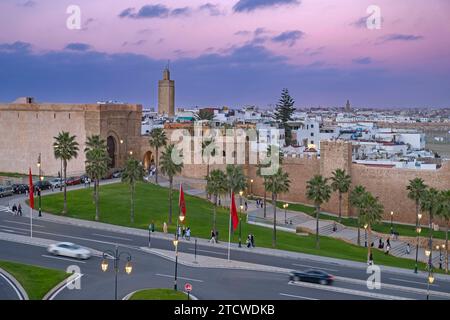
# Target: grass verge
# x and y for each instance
(158, 294)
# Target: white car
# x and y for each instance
(69, 249)
(57, 182)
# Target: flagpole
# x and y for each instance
(229, 234)
(31, 222)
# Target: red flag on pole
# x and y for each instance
(233, 213)
(30, 190)
(181, 202)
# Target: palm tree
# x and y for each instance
(236, 180)
(132, 173)
(157, 140)
(97, 161)
(356, 201)
(371, 213)
(430, 203)
(276, 184)
(318, 191)
(205, 114)
(216, 184)
(444, 212)
(262, 166)
(170, 168)
(416, 189)
(65, 148)
(340, 182)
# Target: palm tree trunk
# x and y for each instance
(446, 249)
(265, 194)
(65, 187)
(96, 186)
(207, 174)
(359, 232)
(274, 203)
(317, 226)
(170, 199)
(132, 203)
(156, 166)
(340, 206)
(214, 213)
(369, 241)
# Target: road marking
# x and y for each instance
(79, 275)
(60, 258)
(171, 276)
(27, 224)
(102, 235)
(8, 230)
(19, 294)
(347, 291)
(201, 250)
(410, 281)
(300, 297)
(313, 267)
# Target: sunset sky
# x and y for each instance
(229, 52)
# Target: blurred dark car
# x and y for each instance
(20, 188)
(42, 185)
(312, 275)
(72, 181)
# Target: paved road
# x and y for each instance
(153, 271)
(7, 291)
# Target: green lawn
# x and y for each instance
(384, 227)
(152, 205)
(158, 294)
(36, 281)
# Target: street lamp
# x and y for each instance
(175, 243)
(240, 218)
(365, 235)
(285, 206)
(429, 282)
(116, 257)
(418, 230)
(251, 187)
(41, 178)
(392, 225)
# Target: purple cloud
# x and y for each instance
(289, 37)
(400, 37)
(213, 9)
(362, 60)
(147, 11)
(17, 46)
(251, 5)
(185, 11)
(78, 46)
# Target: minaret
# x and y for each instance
(166, 94)
(347, 106)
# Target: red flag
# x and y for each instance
(30, 191)
(181, 202)
(233, 212)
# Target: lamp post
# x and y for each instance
(392, 224)
(251, 187)
(285, 206)
(175, 243)
(418, 230)
(365, 235)
(41, 178)
(240, 217)
(116, 256)
(429, 282)
(438, 247)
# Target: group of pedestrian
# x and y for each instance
(382, 247)
(214, 236)
(184, 232)
(250, 241)
(259, 203)
(17, 210)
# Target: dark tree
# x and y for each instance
(283, 113)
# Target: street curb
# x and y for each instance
(56, 289)
(128, 296)
(15, 284)
(189, 264)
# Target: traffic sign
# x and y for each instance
(188, 287)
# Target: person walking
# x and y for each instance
(19, 210)
(14, 209)
(252, 240)
(213, 237)
(248, 241)
(388, 242)
(388, 248)
(408, 248)
(370, 262)
(188, 233)
(183, 232)
(165, 227)
(245, 205)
